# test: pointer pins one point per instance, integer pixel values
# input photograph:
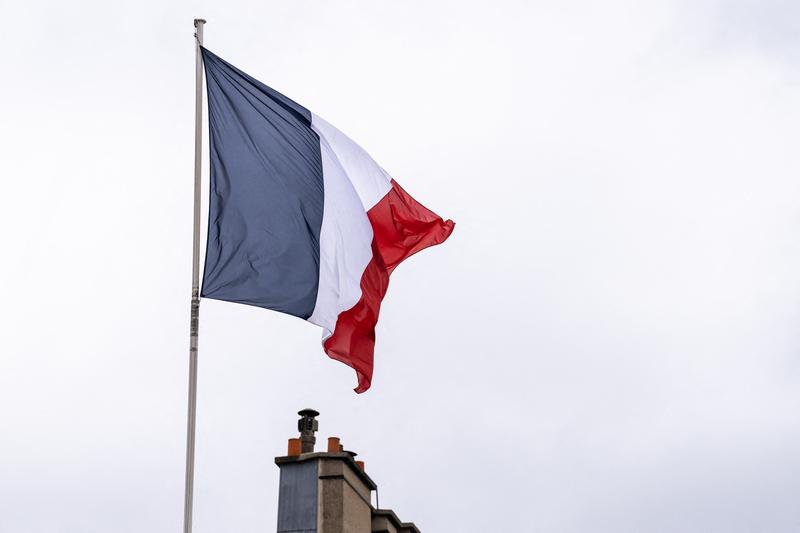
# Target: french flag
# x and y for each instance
(301, 219)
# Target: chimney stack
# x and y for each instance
(328, 492)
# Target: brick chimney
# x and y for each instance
(328, 492)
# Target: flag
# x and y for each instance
(301, 219)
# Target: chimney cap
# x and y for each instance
(308, 412)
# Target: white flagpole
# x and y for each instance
(195, 305)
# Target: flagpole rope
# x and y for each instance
(194, 320)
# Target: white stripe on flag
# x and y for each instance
(353, 184)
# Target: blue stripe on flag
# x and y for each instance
(266, 198)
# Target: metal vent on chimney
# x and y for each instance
(307, 426)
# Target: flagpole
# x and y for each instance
(195, 303)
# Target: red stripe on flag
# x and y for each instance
(401, 227)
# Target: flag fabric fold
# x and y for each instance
(301, 219)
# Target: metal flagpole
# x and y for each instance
(195, 305)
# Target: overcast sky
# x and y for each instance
(609, 342)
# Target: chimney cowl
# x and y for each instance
(307, 426)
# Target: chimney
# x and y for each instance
(328, 492)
